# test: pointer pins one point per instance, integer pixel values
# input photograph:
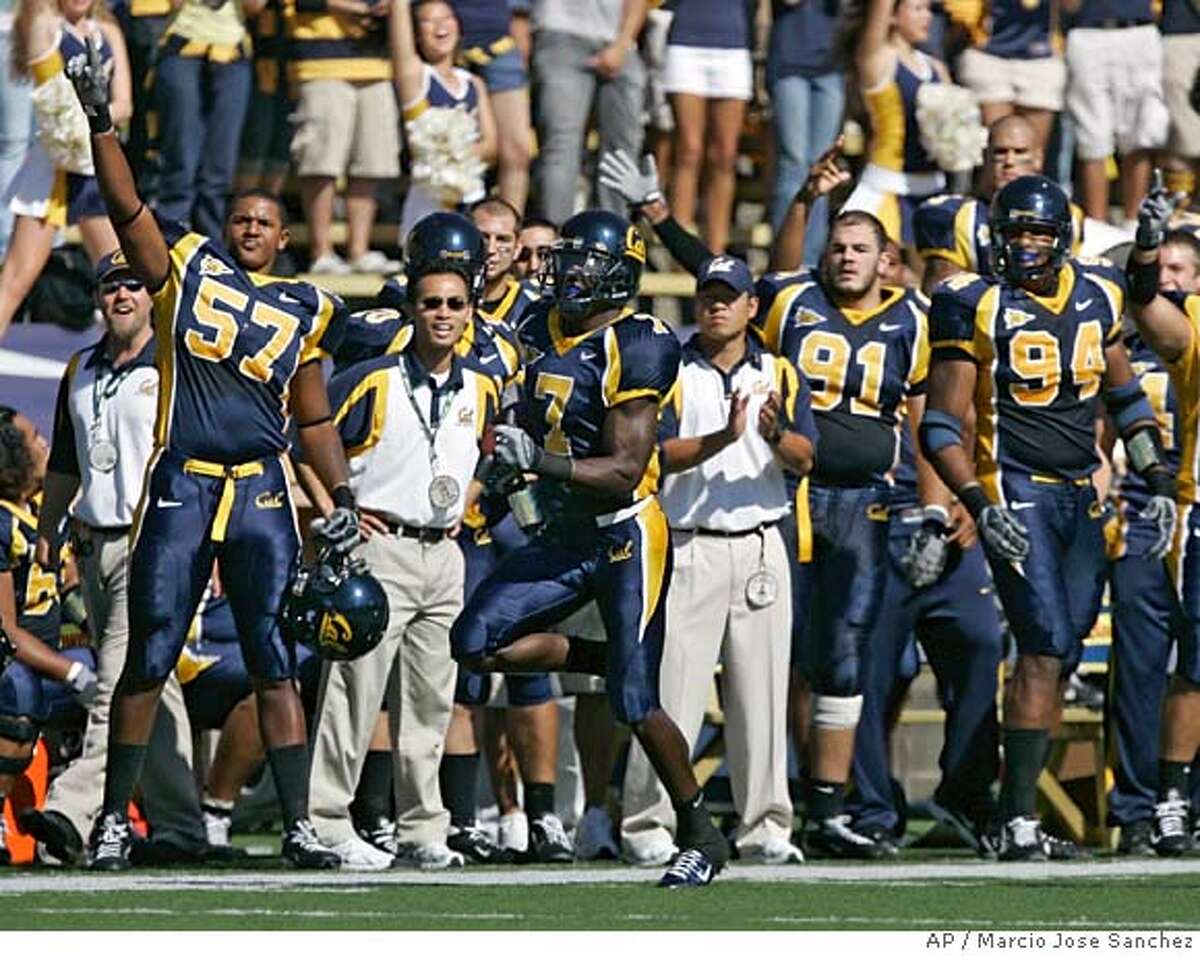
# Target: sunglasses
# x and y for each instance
(129, 285)
(456, 303)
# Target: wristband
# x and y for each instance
(73, 608)
(558, 467)
(1160, 482)
(1143, 280)
(973, 498)
(343, 497)
(99, 119)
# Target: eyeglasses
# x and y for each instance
(129, 285)
(432, 303)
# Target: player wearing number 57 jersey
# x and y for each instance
(863, 347)
(237, 354)
(1035, 351)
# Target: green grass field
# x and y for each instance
(1103, 895)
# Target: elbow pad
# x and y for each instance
(938, 430)
(1128, 405)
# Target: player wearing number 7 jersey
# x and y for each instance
(1035, 351)
(864, 349)
(236, 353)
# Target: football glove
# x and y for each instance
(338, 532)
(84, 684)
(1161, 512)
(1004, 536)
(638, 187)
(1154, 214)
(90, 80)
(516, 449)
(928, 548)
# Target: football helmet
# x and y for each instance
(1030, 201)
(335, 608)
(446, 242)
(596, 264)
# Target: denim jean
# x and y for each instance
(565, 88)
(201, 109)
(16, 130)
(808, 115)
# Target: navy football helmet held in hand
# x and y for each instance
(446, 242)
(1030, 204)
(335, 608)
(596, 264)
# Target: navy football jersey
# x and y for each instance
(506, 314)
(860, 366)
(1185, 381)
(385, 331)
(956, 228)
(570, 383)
(1041, 365)
(227, 345)
(35, 590)
(775, 291)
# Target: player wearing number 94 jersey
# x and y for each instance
(235, 352)
(1035, 351)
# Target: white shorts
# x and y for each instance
(1181, 56)
(713, 73)
(1115, 90)
(1032, 84)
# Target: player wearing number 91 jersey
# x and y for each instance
(864, 348)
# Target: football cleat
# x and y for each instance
(56, 833)
(304, 851)
(110, 843)
(548, 841)
(475, 846)
(1022, 841)
(1136, 838)
(594, 836)
(883, 838)
(1171, 836)
(833, 838)
(690, 868)
(217, 824)
(1064, 850)
(381, 834)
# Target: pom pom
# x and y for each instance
(952, 130)
(445, 161)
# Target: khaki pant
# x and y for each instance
(412, 666)
(707, 618)
(169, 790)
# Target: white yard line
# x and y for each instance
(314, 882)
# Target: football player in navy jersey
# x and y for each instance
(1167, 323)
(864, 348)
(238, 355)
(596, 377)
(1036, 351)
(952, 232)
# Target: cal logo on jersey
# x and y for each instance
(1015, 318)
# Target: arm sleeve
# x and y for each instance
(668, 422)
(685, 248)
(952, 318)
(328, 330)
(939, 234)
(63, 458)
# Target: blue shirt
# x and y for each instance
(1094, 13)
(1020, 29)
(483, 21)
(716, 24)
(1178, 16)
(802, 39)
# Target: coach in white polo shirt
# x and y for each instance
(103, 437)
(740, 416)
(411, 422)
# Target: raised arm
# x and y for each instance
(787, 251)
(120, 102)
(874, 59)
(407, 68)
(141, 239)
